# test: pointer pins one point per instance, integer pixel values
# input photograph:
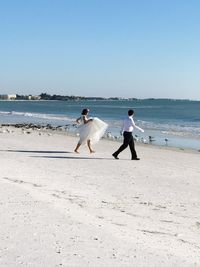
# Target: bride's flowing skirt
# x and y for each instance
(92, 131)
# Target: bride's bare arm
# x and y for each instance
(78, 120)
(86, 120)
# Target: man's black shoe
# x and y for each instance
(116, 157)
(135, 158)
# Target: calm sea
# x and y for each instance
(168, 122)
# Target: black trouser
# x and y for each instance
(128, 141)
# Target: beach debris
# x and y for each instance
(67, 127)
(151, 139)
(60, 128)
(109, 135)
(166, 141)
(143, 140)
(198, 224)
(4, 131)
(28, 126)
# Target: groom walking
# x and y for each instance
(127, 129)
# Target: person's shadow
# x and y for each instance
(37, 151)
(52, 152)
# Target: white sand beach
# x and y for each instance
(59, 208)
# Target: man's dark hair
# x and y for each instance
(130, 112)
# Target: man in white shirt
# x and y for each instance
(127, 129)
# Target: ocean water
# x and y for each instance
(173, 123)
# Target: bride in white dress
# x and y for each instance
(90, 130)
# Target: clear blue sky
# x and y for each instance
(127, 48)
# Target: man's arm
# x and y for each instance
(140, 129)
(137, 127)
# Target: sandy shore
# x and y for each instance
(59, 208)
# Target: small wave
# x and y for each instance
(40, 116)
(181, 134)
(190, 130)
(5, 112)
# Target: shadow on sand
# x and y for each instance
(37, 151)
(54, 152)
(59, 157)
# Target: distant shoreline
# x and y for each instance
(45, 96)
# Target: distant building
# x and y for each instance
(8, 97)
(20, 97)
(34, 97)
(12, 97)
(4, 97)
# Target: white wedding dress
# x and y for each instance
(92, 131)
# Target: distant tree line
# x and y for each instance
(45, 96)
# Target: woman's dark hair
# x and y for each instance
(85, 111)
(130, 112)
